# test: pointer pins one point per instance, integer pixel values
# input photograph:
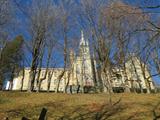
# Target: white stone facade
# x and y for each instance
(81, 73)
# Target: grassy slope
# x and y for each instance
(134, 106)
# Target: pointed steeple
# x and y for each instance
(87, 43)
(82, 42)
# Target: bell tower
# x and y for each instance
(84, 47)
(84, 63)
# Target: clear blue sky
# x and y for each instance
(140, 3)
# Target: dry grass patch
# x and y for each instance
(132, 106)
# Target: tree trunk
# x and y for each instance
(49, 80)
(11, 79)
(23, 75)
(68, 80)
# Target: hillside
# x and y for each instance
(125, 106)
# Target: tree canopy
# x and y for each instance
(11, 58)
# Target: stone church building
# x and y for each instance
(83, 75)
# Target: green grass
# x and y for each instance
(134, 106)
(3, 100)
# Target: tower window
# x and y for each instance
(118, 76)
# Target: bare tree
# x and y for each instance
(39, 80)
(50, 74)
(65, 49)
(123, 22)
(40, 20)
(5, 19)
(5, 12)
(65, 28)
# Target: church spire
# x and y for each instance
(82, 42)
(87, 43)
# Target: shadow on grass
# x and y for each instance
(102, 112)
(59, 111)
(156, 112)
(4, 100)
